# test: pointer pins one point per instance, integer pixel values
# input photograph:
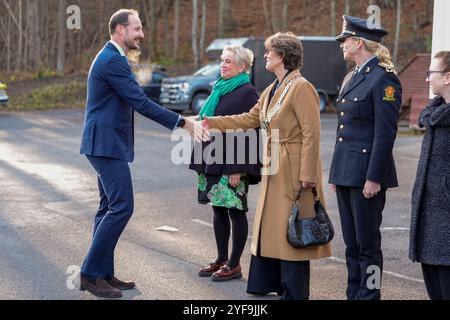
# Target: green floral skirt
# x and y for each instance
(216, 191)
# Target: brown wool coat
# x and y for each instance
(298, 122)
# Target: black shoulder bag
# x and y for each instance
(309, 232)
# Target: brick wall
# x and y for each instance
(415, 89)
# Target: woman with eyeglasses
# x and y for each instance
(430, 216)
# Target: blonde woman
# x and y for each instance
(363, 167)
(223, 183)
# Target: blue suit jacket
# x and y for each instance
(368, 111)
(112, 96)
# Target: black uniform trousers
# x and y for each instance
(361, 220)
(437, 281)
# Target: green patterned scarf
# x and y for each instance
(222, 87)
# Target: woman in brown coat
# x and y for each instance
(289, 110)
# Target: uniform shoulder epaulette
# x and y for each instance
(386, 66)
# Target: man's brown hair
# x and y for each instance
(120, 17)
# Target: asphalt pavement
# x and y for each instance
(48, 197)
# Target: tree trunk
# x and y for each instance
(18, 24)
(223, 17)
(101, 25)
(4, 37)
(203, 30)
(61, 59)
(333, 17)
(19, 49)
(397, 30)
(34, 34)
(37, 35)
(273, 16)
(153, 31)
(26, 44)
(154, 14)
(45, 27)
(30, 61)
(267, 16)
(8, 45)
(195, 49)
(347, 7)
(176, 30)
(150, 15)
(165, 17)
(285, 15)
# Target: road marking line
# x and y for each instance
(394, 228)
(403, 277)
(398, 275)
(203, 223)
(336, 259)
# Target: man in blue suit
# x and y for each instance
(363, 166)
(108, 143)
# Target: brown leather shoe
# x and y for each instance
(119, 284)
(100, 289)
(225, 274)
(210, 269)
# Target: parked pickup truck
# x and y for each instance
(3, 97)
(189, 92)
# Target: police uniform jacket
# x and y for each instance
(368, 110)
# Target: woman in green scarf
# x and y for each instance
(221, 183)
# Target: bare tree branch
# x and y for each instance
(2, 29)
(13, 17)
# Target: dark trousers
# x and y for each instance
(289, 279)
(115, 209)
(361, 220)
(437, 281)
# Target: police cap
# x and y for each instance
(357, 27)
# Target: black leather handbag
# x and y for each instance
(309, 232)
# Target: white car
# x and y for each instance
(3, 97)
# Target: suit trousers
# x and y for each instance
(114, 212)
(361, 220)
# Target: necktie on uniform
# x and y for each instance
(353, 75)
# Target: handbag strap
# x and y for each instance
(314, 191)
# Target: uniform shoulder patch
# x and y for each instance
(386, 66)
(389, 94)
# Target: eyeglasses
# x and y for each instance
(267, 51)
(430, 72)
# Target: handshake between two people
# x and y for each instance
(197, 128)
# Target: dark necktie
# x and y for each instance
(353, 76)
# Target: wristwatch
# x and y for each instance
(181, 122)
